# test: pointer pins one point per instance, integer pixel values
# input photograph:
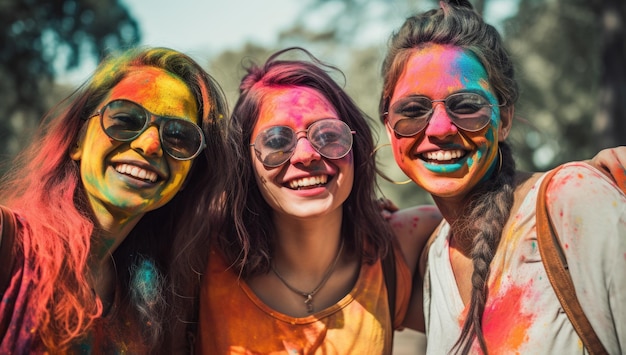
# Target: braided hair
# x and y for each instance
(457, 23)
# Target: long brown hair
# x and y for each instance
(44, 189)
(248, 246)
(456, 23)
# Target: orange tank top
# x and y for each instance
(233, 320)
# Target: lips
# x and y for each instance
(136, 172)
(308, 182)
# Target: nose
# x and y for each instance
(148, 143)
(304, 152)
(440, 124)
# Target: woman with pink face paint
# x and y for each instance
(448, 105)
(98, 199)
(299, 271)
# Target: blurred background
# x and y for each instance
(570, 56)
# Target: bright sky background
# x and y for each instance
(203, 28)
(200, 27)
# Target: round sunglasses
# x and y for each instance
(331, 138)
(124, 120)
(468, 111)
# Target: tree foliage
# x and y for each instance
(570, 57)
(41, 37)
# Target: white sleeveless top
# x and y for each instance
(522, 314)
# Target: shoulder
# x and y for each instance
(412, 227)
(415, 220)
(586, 208)
(579, 183)
(9, 228)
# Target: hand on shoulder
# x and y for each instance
(612, 162)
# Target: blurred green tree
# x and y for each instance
(41, 38)
(571, 59)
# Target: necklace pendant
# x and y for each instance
(309, 302)
(308, 296)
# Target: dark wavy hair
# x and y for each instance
(456, 23)
(249, 243)
(44, 188)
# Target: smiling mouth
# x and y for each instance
(443, 156)
(136, 172)
(308, 182)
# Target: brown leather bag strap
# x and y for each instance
(556, 267)
(7, 242)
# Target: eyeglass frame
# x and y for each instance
(453, 117)
(153, 118)
(306, 131)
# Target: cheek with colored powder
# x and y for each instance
(350, 158)
(485, 160)
(177, 177)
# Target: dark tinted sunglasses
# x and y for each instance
(468, 111)
(124, 120)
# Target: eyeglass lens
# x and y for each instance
(331, 138)
(125, 120)
(468, 111)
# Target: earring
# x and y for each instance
(381, 174)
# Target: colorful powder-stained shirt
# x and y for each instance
(18, 323)
(233, 320)
(522, 314)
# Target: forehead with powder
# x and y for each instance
(294, 105)
(159, 91)
(442, 69)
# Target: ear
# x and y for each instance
(506, 122)
(76, 151)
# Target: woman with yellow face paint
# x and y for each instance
(98, 199)
(447, 104)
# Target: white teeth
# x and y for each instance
(308, 181)
(444, 155)
(137, 172)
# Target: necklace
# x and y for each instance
(308, 296)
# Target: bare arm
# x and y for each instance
(412, 227)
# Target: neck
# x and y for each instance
(454, 210)
(111, 230)
(307, 245)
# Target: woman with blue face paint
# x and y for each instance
(97, 201)
(448, 105)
